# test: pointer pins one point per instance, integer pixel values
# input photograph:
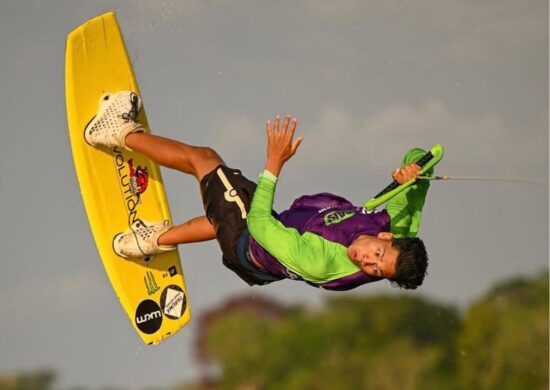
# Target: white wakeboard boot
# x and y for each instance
(114, 120)
(141, 240)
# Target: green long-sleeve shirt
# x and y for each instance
(311, 238)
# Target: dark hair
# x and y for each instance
(411, 263)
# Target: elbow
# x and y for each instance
(252, 223)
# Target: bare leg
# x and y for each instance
(195, 230)
(194, 160)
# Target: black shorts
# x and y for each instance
(226, 196)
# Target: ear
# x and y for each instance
(385, 235)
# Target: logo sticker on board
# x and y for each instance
(133, 182)
(173, 270)
(139, 178)
(173, 302)
(150, 283)
(148, 316)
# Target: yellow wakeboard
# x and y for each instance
(119, 187)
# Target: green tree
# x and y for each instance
(390, 342)
(504, 340)
(376, 342)
(33, 380)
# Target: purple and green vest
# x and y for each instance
(334, 219)
(309, 241)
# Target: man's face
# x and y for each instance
(374, 255)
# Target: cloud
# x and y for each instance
(45, 295)
(472, 30)
(337, 137)
(480, 142)
(473, 143)
(239, 138)
(380, 140)
(482, 30)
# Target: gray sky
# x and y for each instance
(366, 79)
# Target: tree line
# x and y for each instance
(369, 342)
(389, 342)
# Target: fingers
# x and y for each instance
(396, 175)
(413, 168)
(269, 129)
(276, 125)
(285, 130)
(285, 125)
(292, 128)
(402, 175)
(296, 144)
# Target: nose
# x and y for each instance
(368, 260)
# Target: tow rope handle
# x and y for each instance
(426, 162)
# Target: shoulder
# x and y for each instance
(320, 201)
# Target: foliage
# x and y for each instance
(504, 340)
(349, 344)
(32, 380)
(388, 342)
(374, 342)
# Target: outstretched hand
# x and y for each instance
(403, 175)
(280, 144)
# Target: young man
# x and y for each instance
(322, 239)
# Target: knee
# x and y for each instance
(207, 160)
(208, 153)
(197, 154)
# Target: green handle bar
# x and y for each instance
(427, 161)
